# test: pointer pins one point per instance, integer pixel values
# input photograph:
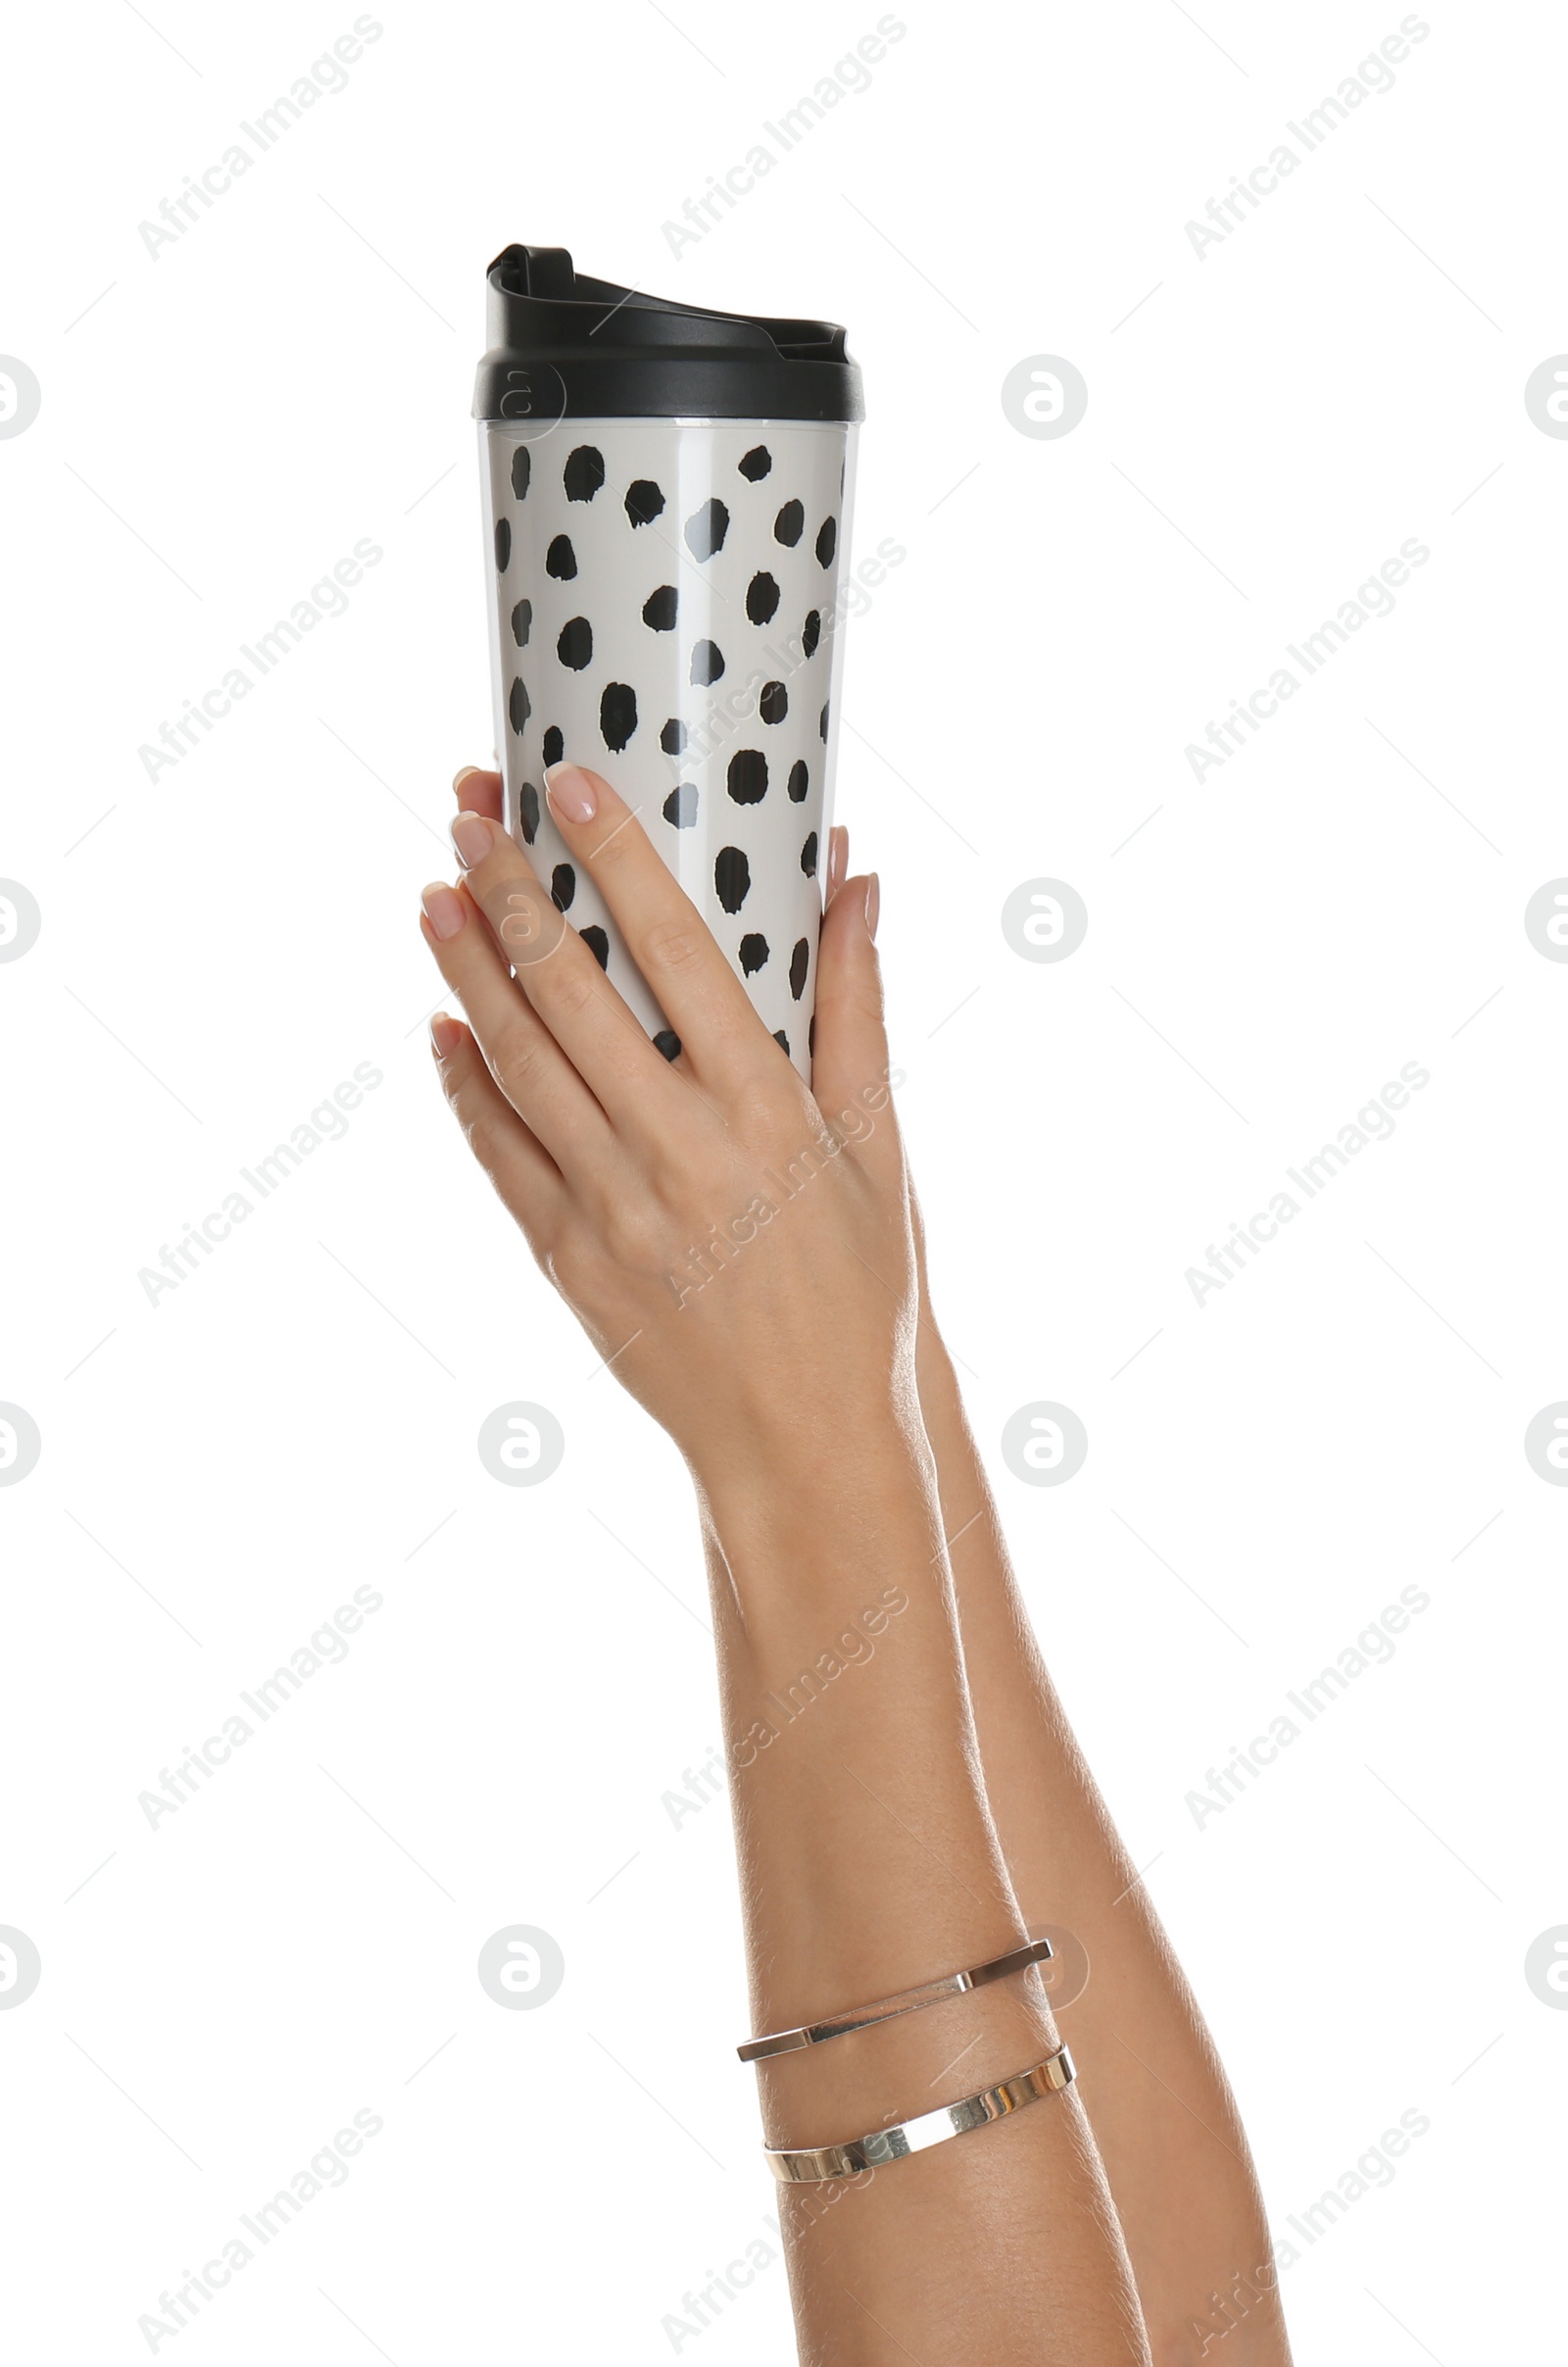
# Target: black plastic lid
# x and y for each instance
(564, 346)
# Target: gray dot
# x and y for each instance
(1545, 395)
(1044, 396)
(1044, 1443)
(522, 1444)
(1547, 1444)
(20, 1443)
(533, 407)
(1546, 920)
(20, 921)
(1064, 1974)
(1545, 1967)
(20, 1967)
(1044, 920)
(20, 396)
(520, 1967)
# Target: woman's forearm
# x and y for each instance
(868, 1863)
(1160, 2107)
(891, 1831)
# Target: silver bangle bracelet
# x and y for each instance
(887, 2009)
(805, 2164)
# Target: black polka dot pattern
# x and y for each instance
(617, 715)
(653, 680)
(707, 527)
(747, 777)
(583, 473)
(732, 878)
(575, 648)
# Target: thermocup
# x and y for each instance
(667, 494)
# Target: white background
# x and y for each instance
(221, 423)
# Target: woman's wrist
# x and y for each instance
(820, 1496)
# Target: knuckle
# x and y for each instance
(517, 1061)
(571, 989)
(672, 946)
(482, 1136)
(774, 1111)
(628, 1242)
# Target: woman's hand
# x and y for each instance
(738, 1247)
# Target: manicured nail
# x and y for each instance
(445, 1035)
(467, 774)
(873, 905)
(443, 909)
(474, 837)
(838, 861)
(570, 793)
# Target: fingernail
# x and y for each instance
(475, 836)
(838, 861)
(445, 1035)
(443, 909)
(570, 793)
(467, 774)
(873, 905)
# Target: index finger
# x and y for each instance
(687, 970)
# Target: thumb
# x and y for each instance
(849, 1057)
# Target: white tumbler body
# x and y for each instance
(665, 605)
